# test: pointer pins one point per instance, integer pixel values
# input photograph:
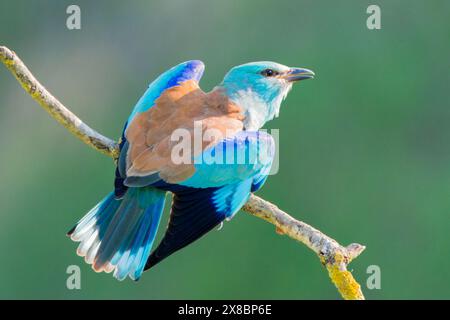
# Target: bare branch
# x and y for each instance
(334, 256)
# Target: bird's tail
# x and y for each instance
(117, 234)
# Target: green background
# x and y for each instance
(365, 147)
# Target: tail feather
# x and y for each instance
(118, 234)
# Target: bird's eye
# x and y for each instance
(269, 73)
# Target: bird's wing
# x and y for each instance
(133, 137)
(197, 211)
(216, 191)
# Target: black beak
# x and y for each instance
(297, 74)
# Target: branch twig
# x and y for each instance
(334, 256)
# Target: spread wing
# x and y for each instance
(134, 139)
(220, 186)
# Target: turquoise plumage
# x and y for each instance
(118, 234)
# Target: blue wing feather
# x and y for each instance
(197, 211)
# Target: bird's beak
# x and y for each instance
(297, 74)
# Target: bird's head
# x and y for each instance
(260, 87)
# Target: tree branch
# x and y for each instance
(332, 255)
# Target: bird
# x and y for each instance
(210, 179)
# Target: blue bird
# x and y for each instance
(205, 148)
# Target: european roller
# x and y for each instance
(209, 180)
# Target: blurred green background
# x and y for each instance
(365, 147)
